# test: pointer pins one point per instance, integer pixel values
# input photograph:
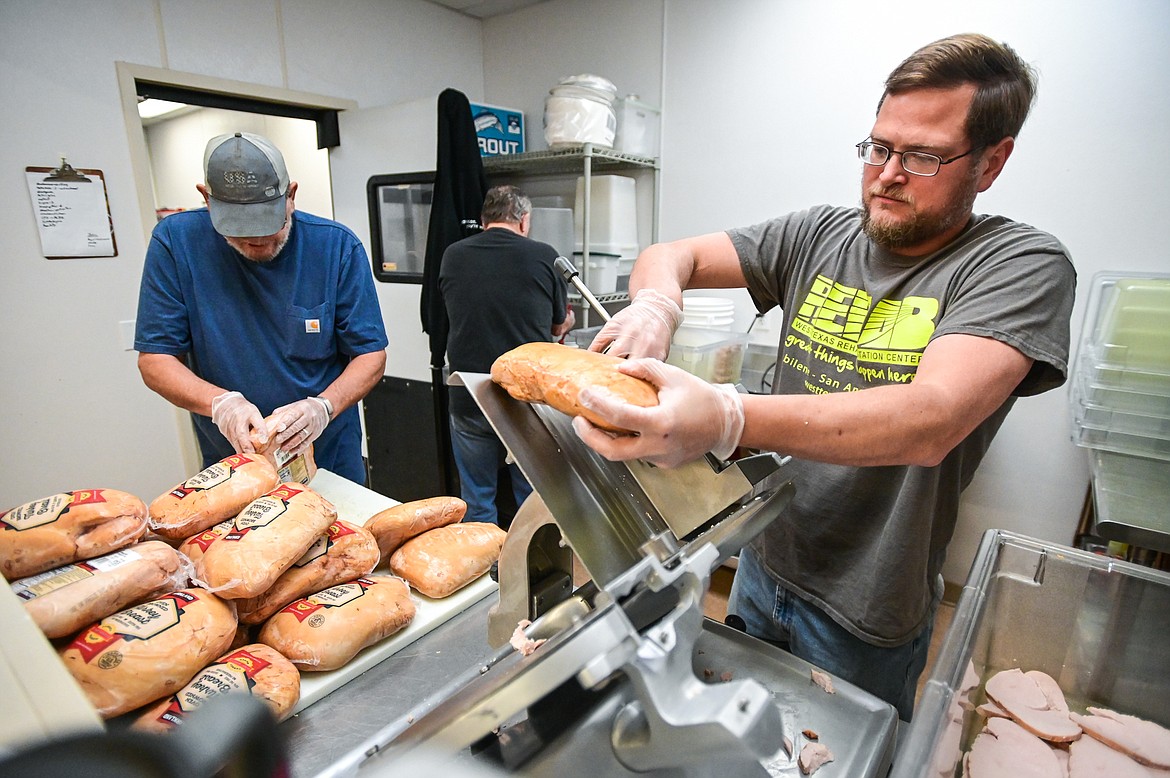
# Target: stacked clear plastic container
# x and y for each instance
(1120, 395)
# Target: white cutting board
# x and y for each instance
(357, 504)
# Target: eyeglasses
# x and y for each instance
(917, 163)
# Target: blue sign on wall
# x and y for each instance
(499, 130)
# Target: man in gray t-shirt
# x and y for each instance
(910, 326)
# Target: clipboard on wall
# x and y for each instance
(72, 211)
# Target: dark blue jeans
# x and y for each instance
(479, 455)
(774, 614)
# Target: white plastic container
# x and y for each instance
(613, 214)
(712, 313)
(580, 109)
(711, 354)
(637, 127)
(601, 276)
(553, 226)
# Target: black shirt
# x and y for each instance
(501, 290)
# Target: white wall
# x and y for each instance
(526, 53)
(75, 412)
(376, 141)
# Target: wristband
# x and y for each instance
(328, 406)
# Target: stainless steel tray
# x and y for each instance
(1096, 625)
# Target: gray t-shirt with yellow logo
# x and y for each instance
(867, 544)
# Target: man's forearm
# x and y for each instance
(706, 261)
(360, 376)
(170, 377)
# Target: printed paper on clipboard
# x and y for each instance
(72, 212)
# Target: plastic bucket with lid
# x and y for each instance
(712, 313)
(580, 109)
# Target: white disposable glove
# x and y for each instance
(692, 418)
(236, 419)
(298, 424)
(641, 329)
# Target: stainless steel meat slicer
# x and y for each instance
(630, 678)
(649, 539)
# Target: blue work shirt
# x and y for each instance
(276, 331)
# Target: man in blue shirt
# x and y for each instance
(249, 308)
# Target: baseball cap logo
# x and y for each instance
(241, 178)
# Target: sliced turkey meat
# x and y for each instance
(1143, 740)
(1006, 748)
(1049, 688)
(1062, 757)
(1090, 758)
(1029, 704)
(990, 710)
(812, 756)
(824, 681)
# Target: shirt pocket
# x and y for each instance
(308, 332)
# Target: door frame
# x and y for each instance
(129, 74)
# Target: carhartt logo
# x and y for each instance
(312, 325)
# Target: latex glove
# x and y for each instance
(641, 329)
(298, 424)
(692, 417)
(236, 419)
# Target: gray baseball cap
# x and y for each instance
(248, 184)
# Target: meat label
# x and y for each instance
(321, 545)
(290, 468)
(263, 511)
(207, 536)
(87, 497)
(51, 580)
(342, 594)
(259, 513)
(333, 597)
(234, 673)
(141, 622)
(338, 530)
(210, 476)
(38, 513)
(319, 549)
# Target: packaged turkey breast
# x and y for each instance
(66, 527)
(140, 654)
(254, 669)
(217, 492)
(342, 554)
(266, 538)
(63, 600)
(326, 630)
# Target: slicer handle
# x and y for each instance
(573, 276)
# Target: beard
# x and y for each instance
(920, 226)
(259, 254)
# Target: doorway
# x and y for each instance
(175, 144)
